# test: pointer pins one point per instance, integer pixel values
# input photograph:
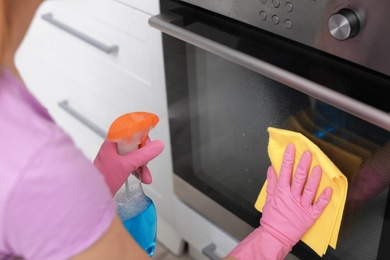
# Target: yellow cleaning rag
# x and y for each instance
(326, 229)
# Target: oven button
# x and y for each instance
(263, 15)
(276, 3)
(288, 24)
(289, 7)
(344, 24)
(275, 19)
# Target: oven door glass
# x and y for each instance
(220, 111)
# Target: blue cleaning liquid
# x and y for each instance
(143, 228)
(138, 215)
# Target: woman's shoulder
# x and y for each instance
(23, 133)
(26, 127)
(62, 198)
(53, 201)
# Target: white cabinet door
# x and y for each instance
(103, 85)
(85, 87)
(149, 6)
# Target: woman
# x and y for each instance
(55, 204)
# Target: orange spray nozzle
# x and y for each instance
(130, 131)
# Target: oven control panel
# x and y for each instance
(304, 21)
(342, 25)
(350, 29)
(277, 13)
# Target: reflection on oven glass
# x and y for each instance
(230, 110)
(361, 152)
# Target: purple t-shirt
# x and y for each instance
(54, 203)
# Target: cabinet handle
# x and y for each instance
(209, 252)
(65, 106)
(82, 36)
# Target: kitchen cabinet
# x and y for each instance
(150, 6)
(89, 62)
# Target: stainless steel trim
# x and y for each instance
(85, 121)
(166, 23)
(306, 22)
(101, 46)
(215, 212)
(209, 252)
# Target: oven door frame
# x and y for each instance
(173, 24)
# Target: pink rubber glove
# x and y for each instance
(288, 212)
(117, 168)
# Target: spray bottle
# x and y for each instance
(136, 210)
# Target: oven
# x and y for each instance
(322, 68)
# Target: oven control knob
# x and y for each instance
(344, 24)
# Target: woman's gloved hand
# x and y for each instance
(289, 210)
(117, 168)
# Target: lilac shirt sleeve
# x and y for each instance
(61, 205)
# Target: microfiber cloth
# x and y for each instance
(326, 229)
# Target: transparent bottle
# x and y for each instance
(136, 210)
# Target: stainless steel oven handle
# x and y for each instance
(101, 46)
(85, 121)
(209, 252)
(169, 23)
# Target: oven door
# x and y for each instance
(228, 82)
